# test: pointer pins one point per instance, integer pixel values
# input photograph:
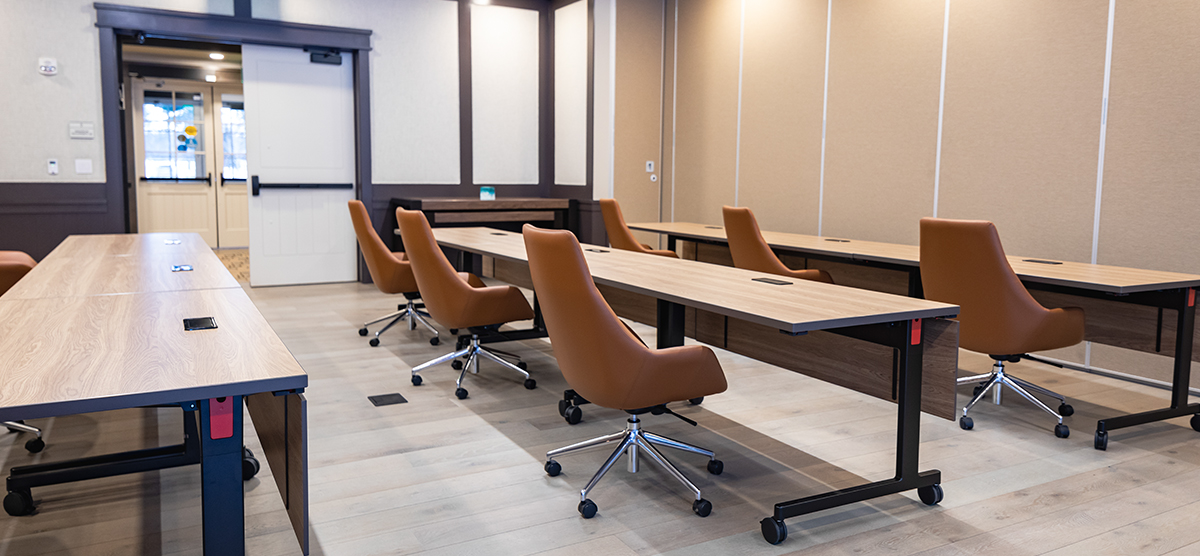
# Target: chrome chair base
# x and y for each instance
(634, 441)
(473, 353)
(33, 445)
(410, 313)
(997, 380)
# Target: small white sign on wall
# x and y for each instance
(83, 165)
(82, 130)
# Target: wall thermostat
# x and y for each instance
(47, 66)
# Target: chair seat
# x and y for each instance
(1057, 328)
(670, 375)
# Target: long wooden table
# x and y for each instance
(1124, 306)
(925, 343)
(98, 325)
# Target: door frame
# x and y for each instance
(116, 22)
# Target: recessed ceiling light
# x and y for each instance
(482, 2)
(210, 78)
(216, 56)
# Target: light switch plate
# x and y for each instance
(52, 167)
(83, 165)
(650, 166)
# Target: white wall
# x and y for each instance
(603, 98)
(570, 94)
(504, 83)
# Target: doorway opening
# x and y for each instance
(186, 139)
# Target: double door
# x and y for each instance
(190, 143)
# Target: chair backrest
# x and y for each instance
(390, 274)
(619, 234)
(598, 355)
(14, 265)
(446, 295)
(750, 251)
(963, 262)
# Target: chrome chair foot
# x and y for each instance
(999, 379)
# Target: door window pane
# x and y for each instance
(233, 137)
(173, 135)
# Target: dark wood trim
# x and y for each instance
(589, 180)
(362, 140)
(114, 152)
(171, 24)
(466, 131)
(242, 8)
(545, 100)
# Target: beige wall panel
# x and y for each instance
(783, 88)
(1151, 202)
(1021, 128)
(706, 104)
(885, 61)
(639, 110)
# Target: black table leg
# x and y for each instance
(907, 340)
(670, 242)
(670, 324)
(224, 511)
(1184, 330)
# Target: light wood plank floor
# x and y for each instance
(442, 476)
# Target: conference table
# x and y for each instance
(1124, 306)
(100, 325)
(918, 331)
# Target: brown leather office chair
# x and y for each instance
(456, 304)
(14, 265)
(962, 262)
(751, 252)
(391, 273)
(606, 363)
(619, 235)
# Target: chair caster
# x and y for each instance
(1196, 422)
(434, 341)
(696, 401)
(976, 390)
(374, 342)
(523, 366)
(573, 415)
(362, 331)
(461, 342)
(18, 503)
(1061, 431)
(416, 380)
(552, 468)
(930, 495)
(966, 423)
(250, 466)
(35, 445)
(1102, 440)
(716, 466)
(456, 365)
(1066, 410)
(562, 407)
(454, 331)
(460, 393)
(702, 507)
(587, 509)
(774, 530)
(530, 384)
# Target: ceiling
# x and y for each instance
(179, 57)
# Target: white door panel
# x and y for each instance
(299, 130)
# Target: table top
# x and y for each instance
(500, 203)
(799, 306)
(73, 355)
(98, 325)
(1103, 278)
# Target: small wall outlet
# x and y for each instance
(52, 167)
(653, 177)
(650, 166)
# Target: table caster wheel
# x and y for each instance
(696, 401)
(702, 507)
(774, 531)
(552, 468)
(18, 503)
(587, 509)
(931, 495)
(250, 466)
(1196, 422)
(562, 407)
(454, 331)
(362, 331)
(966, 423)
(35, 445)
(523, 365)
(1061, 431)
(456, 365)
(416, 380)
(1066, 410)
(716, 466)
(374, 342)
(1101, 440)
(434, 341)
(530, 384)
(573, 415)
(460, 393)
(461, 342)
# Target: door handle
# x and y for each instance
(209, 179)
(254, 185)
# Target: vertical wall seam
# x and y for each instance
(937, 164)
(612, 99)
(737, 152)
(674, 103)
(824, 123)
(662, 76)
(1112, 8)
